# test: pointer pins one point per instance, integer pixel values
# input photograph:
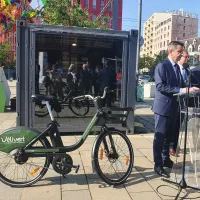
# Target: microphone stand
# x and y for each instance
(182, 184)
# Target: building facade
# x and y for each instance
(161, 28)
(192, 45)
(95, 7)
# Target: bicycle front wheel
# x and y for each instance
(23, 171)
(113, 157)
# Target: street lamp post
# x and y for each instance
(139, 35)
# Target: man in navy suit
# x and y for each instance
(168, 82)
(184, 73)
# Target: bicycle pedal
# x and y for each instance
(76, 168)
(64, 175)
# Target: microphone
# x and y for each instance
(187, 68)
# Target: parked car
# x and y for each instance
(142, 79)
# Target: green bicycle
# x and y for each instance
(26, 154)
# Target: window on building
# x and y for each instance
(165, 29)
(93, 17)
(184, 28)
(164, 44)
(101, 4)
(168, 27)
(86, 4)
(168, 34)
(94, 4)
(184, 20)
(190, 48)
(167, 42)
(186, 43)
(183, 34)
(161, 37)
(164, 35)
(161, 45)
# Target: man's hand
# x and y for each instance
(192, 89)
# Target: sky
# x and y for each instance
(130, 10)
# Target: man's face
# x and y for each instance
(176, 53)
(184, 58)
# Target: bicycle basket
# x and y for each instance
(117, 115)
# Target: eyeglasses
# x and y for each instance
(186, 57)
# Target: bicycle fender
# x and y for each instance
(17, 137)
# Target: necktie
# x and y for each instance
(177, 75)
(184, 75)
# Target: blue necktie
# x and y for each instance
(178, 75)
(184, 74)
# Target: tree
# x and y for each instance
(62, 12)
(159, 58)
(5, 50)
(146, 62)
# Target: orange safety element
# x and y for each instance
(127, 160)
(101, 153)
(34, 171)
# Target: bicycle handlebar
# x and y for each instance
(92, 98)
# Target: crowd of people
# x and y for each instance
(87, 79)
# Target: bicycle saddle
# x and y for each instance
(40, 98)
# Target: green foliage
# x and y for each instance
(146, 62)
(5, 50)
(151, 62)
(62, 12)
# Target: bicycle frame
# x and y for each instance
(57, 144)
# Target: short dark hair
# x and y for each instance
(173, 45)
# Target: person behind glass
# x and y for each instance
(47, 81)
(107, 78)
(84, 80)
(118, 77)
(57, 83)
(37, 75)
(168, 81)
(71, 76)
(97, 80)
(184, 73)
(92, 81)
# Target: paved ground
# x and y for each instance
(142, 184)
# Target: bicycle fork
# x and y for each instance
(111, 152)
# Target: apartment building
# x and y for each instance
(161, 28)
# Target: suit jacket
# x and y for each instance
(166, 86)
(107, 78)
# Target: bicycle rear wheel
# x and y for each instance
(23, 171)
(113, 157)
(79, 107)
